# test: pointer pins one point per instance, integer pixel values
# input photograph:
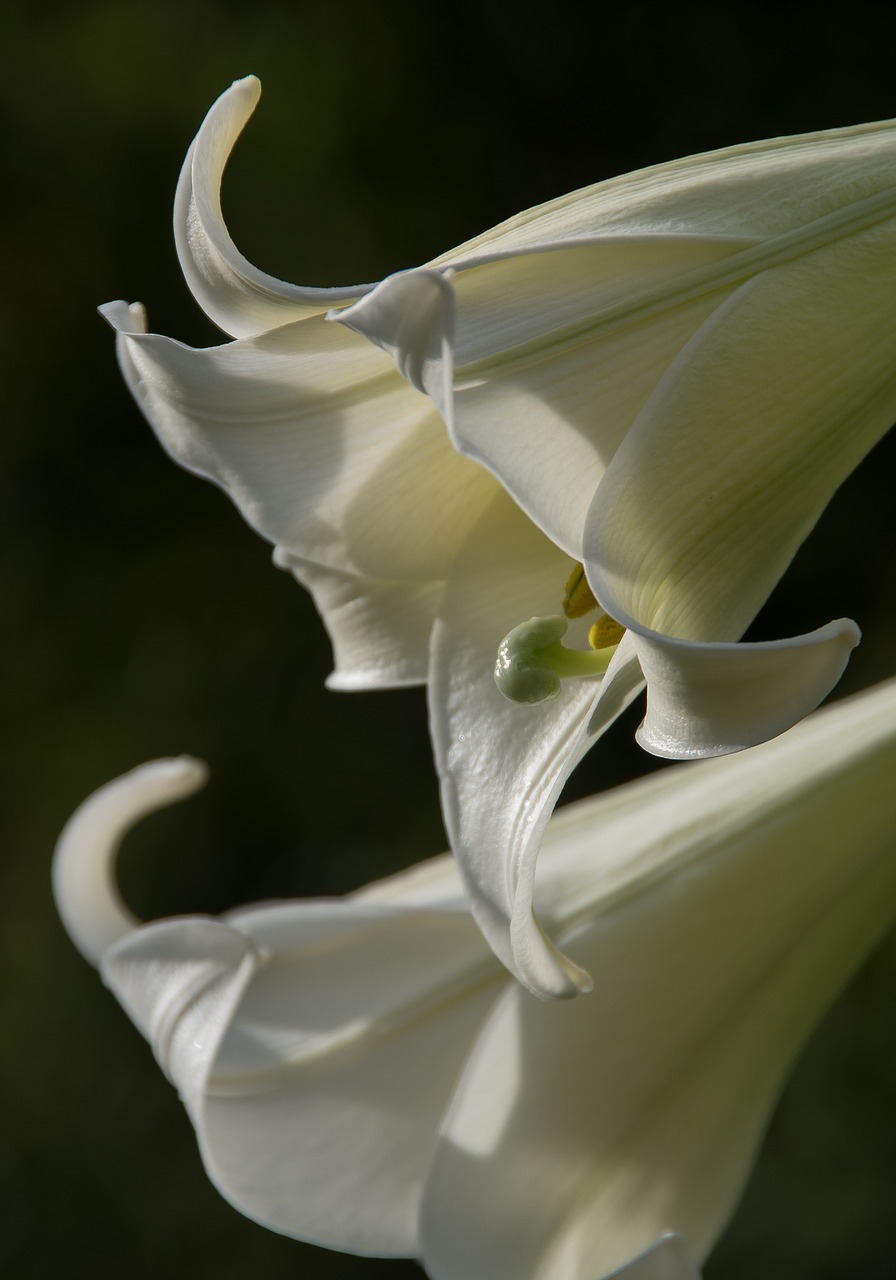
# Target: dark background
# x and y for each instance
(145, 619)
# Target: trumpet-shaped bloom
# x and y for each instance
(664, 378)
(362, 1072)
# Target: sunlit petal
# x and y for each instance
(540, 362)
(734, 899)
(765, 412)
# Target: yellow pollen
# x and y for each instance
(579, 598)
(605, 633)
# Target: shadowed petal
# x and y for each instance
(311, 432)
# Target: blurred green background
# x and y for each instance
(145, 619)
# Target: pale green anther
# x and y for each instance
(532, 662)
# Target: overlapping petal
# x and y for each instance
(675, 409)
(668, 373)
(503, 765)
(362, 1072)
(532, 359)
(726, 470)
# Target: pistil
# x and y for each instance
(532, 663)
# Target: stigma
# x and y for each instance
(532, 663)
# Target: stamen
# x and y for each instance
(532, 662)
(579, 598)
(605, 633)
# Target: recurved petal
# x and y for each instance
(501, 764)
(720, 909)
(84, 884)
(239, 298)
(178, 980)
(335, 459)
(315, 1044)
(712, 699)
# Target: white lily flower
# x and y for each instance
(363, 1074)
(669, 374)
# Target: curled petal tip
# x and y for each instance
(124, 317)
(410, 316)
(84, 886)
(715, 699)
(249, 83)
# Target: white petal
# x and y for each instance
(379, 628)
(552, 346)
(502, 765)
(765, 412)
(330, 454)
(753, 190)
(720, 909)
(251, 1015)
(180, 981)
(556, 352)
(322, 1112)
(84, 886)
(708, 700)
(239, 298)
(729, 465)
(379, 996)
(531, 359)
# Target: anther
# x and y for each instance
(579, 598)
(606, 633)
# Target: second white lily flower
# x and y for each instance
(362, 1073)
(669, 374)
